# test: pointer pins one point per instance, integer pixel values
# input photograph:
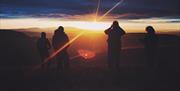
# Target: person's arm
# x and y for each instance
(53, 42)
(48, 44)
(108, 30)
(67, 40)
(38, 45)
(122, 31)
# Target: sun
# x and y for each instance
(96, 25)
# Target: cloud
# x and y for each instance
(130, 9)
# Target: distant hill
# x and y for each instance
(16, 51)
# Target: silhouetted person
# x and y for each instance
(115, 32)
(43, 46)
(58, 41)
(151, 46)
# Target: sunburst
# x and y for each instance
(80, 34)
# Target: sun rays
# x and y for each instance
(117, 4)
(84, 54)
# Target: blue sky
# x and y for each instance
(129, 9)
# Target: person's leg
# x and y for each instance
(66, 62)
(49, 62)
(59, 63)
(48, 65)
(114, 57)
(42, 65)
(42, 61)
(118, 57)
(117, 61)
(110, 59)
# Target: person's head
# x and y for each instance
(150, 30)
(115, 24)
(43, 35)
(58, 31)
(61, 28)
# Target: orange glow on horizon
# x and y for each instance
(130, 26)
(86, 54)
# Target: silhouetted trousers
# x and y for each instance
(151, 55)
(44, 54)
(62, 61)
(114, 51)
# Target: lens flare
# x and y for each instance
(86, 54)
(117, 4)
(59, 50)
(97, 10)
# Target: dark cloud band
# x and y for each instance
(130, 9)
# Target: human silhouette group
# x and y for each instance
(114, 33)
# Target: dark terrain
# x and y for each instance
(18, 56)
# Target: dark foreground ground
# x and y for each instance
(19, 56)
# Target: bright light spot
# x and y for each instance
(86, 54)
(91, 25)
(128, 25)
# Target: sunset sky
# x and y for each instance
(132, 14)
